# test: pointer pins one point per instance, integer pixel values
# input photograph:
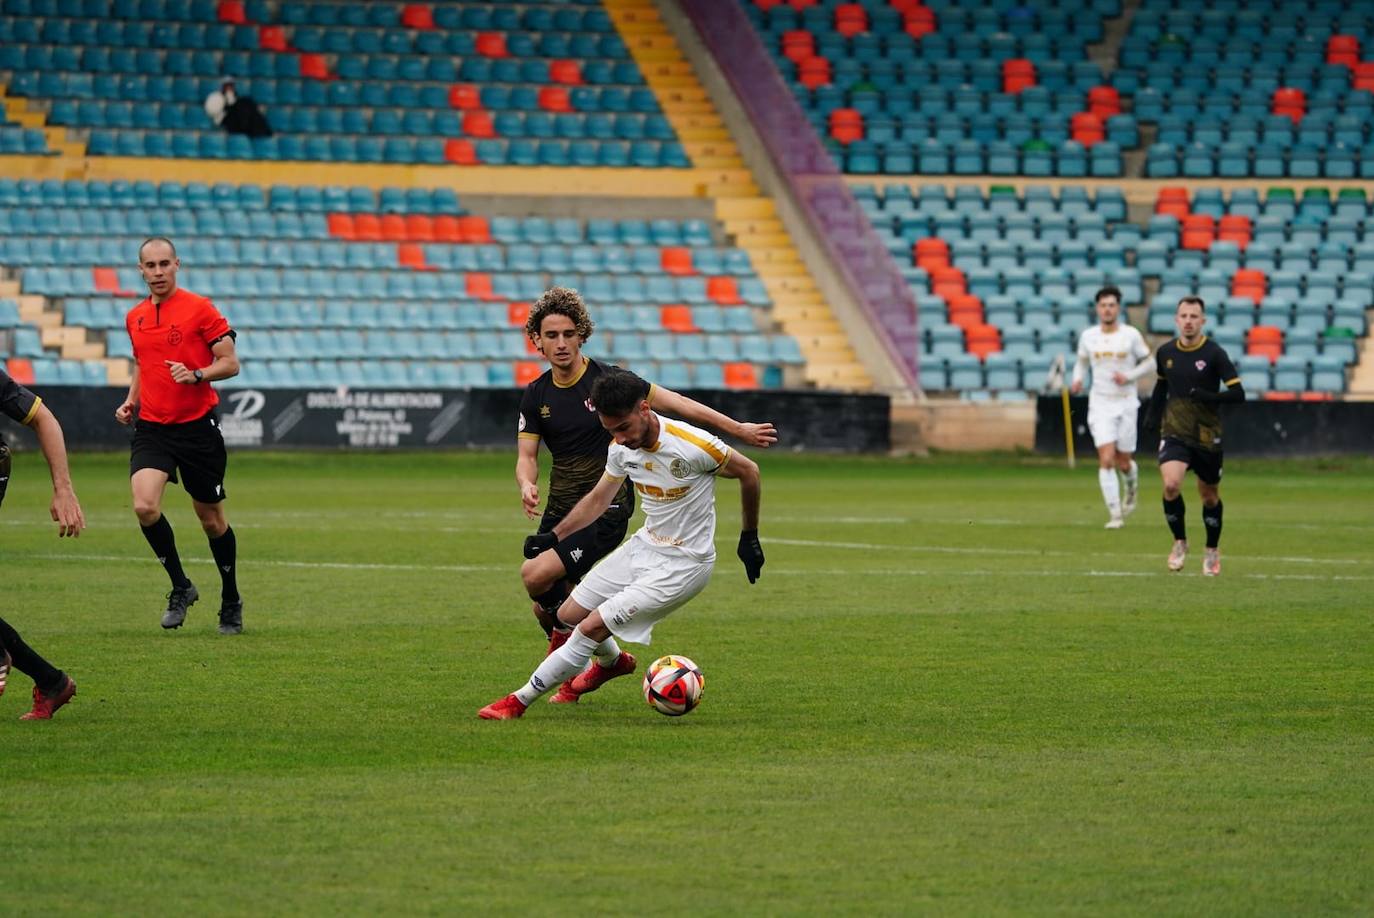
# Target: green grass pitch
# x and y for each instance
(951, 691)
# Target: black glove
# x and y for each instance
(539, 543)
(1202, 395)
(751, 553)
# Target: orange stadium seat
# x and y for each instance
(231, 11)
(982, 340)
(417, 16)
(393, 227)
(478, 286)
(740, 376)
(20, 370)
(555, 99)
(965, 310)
(478, 123)
(1264, 341)
(420, 228)
(314, 67)
(798, 45)
(1104, 101)
(850, 19)
(1234, 228)
(272, 38)
(367, 227)
(675, 259)
(814, 72)
(677, 317)
(1199, 231)
(464, 96)
(411, 255)
(446, 229)
(565, 71)
(341, 226)
(527, 371)
(460, 151)
(517, 313)
(1250, 283)
(723, 290)
(474, 229)
(492, 44)
(106, 279)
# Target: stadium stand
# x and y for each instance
(398, 287)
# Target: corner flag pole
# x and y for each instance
(1055, 379)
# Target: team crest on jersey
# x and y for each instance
(1200, 364)
(522, 421)
(679, 469)
(1169, 364)
(174, 336)
(648, 466)
(544, 411)
(590, 406)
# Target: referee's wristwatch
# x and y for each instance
(199, 375)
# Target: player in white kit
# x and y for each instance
(674, 467)
(1118, 356)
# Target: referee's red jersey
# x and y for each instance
(181, 328)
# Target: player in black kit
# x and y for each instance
(556, 408)
(1192, 368)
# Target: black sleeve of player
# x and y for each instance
(1158, 397)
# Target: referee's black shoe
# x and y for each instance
(231, 617)
(177, 602)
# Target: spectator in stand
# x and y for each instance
(235, 113)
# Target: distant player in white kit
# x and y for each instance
(674, 467)
(1119, 356)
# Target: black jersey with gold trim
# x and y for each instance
(562, 416)
(1205, 366)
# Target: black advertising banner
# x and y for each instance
(446, 418)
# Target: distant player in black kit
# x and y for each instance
(1192, 368)
(556, 408)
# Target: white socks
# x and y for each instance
(565, 662)
(1132, 476)
(1111, 490)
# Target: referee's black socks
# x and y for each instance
(1173, 515)
(1211, 518)
(164, 545)
(225, 550)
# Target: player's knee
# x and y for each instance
(537, 581)
(147, 510)
(212, 521)
(1170, 490)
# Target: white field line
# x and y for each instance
(783, 572)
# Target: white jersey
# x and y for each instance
(1109, 353)
(676, 483)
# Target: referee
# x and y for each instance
(181, 344)
(52, 688)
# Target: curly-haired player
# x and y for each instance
(557, 409)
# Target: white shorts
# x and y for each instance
(635, 587)
(1113, 420)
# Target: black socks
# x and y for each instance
(225, 550)
(1211, 518)
(164, 545)
(47, 677)
(1173, 515)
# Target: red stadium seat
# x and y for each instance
(1087, 129)
(20, 370)
(419, 228)
(850, 19)
(1290, 102)
(106, 279)
(272, 38)
(965, 310)
(1017, 74)
(1344, 50)
(393, 227)
(1104, 101)
(1280, 396)
(930, 252)
(231, 11)
(410, 255)
(814, 72)
(1199, 231)
(478, 286)
(740, 376)
(341, 226)
(478, 124)
(461, 152)
(492, 44)
(1250, 283)
(527, 371)
(798, 45)
(555, 99)
(676, 259)
(1234, 228)
(417, 16)
(313, 66)
(1264, 341)
(982, 340)
(677, 317)
(567, 72)
(446, 229)
(723, 290)
(464, 96)
(474, 229)
(367, 227)
(517, 313)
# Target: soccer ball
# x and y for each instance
(673, 684)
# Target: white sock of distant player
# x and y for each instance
(1132, 475)
(565, 662)
(1111, 490)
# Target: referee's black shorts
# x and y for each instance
(1205, 463)
(194, 450)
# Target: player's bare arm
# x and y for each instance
(761, 435)
(65, 508)
(225, 365)
(125, 412)
(527, 474)
(749, 551)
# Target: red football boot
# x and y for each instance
(557, 639)
(508, 708)
(45, 705)
(596, 675)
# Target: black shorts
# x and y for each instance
(581, 550)
(194, 449)
(1205, 463)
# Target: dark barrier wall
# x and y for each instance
(384, 418)
(1256, 428)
